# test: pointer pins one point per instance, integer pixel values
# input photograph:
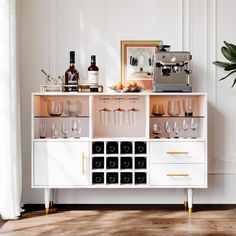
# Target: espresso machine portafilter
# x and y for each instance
(172, 71)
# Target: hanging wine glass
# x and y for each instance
(76, 127)
(176, 129)
(167, 128)
(133, 114)
(194, 126)
(157, 130)
(119, 115)
(185, 127)
(105, 114)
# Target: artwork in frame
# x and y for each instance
(137, 61)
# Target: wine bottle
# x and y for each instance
(71, 75)
(98, 163)
(140, 163)
(126, 178)
(112, 178)
(112, 162)
(140, 178)
(93, 75)
(98, 178)
(126, 163)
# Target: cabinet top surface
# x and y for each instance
(148, 93)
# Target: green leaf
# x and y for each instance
(230, 67)
(233, 83)
(231, 47)
(222, 64)
(228, 75)
(228, 55)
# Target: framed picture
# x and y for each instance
(137, 61)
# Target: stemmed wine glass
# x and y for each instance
(65, 129)
(76, 127)
(194, 125)
(105, 114)
(133, 114)
(176, 128)
(167, 128)
(157, 130)
(185, 127)
(119, 115)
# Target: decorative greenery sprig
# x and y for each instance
(229, 52)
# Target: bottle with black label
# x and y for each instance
(98, 178)
(98, 162)
(126, 178)
(98, 148)
(126, 148)
(71, 75)
(112, 162)
(140, 163)
(140, 148)
(112, 148)
(112, 178)
(126, 163)
(93, 75)
(140, 178)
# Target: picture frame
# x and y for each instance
(136, 61)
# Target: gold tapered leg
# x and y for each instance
(190, 210)
(185, 205)
(46, 210)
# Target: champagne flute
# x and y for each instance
(54, 131)
(176, 129)
(65, 129)
(76, 127)
(194, 125)
(167, 128)
(185, 127)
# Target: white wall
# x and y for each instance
(49, 29)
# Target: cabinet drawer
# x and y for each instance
(177, 152)
(177, 175)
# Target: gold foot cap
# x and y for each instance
(46, 211)
(190, 210)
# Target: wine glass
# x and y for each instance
(185, 127)
(167, 128)
(158, 110)
(133, 114)
(42, 130)
(105, 114)
(194, 126)
(157, 129)
(188, 105)
(54, 131)
(173, 108)
(76, 127)
(176, 129)
(119, 115)
(65, 129)
(74, 107)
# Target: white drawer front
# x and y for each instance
(177, 175)
(177, 152)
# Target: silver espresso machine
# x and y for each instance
(171, 71)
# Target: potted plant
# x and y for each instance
(229, 52)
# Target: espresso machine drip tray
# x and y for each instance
(172, 72)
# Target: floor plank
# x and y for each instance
(157, 221)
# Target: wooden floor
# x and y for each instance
(144, 220)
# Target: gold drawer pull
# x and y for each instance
(177, 153)
(180, 175)
(82, 156)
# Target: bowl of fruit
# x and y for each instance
(126, 87)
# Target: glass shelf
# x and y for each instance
(61, 117)
(167, 117)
